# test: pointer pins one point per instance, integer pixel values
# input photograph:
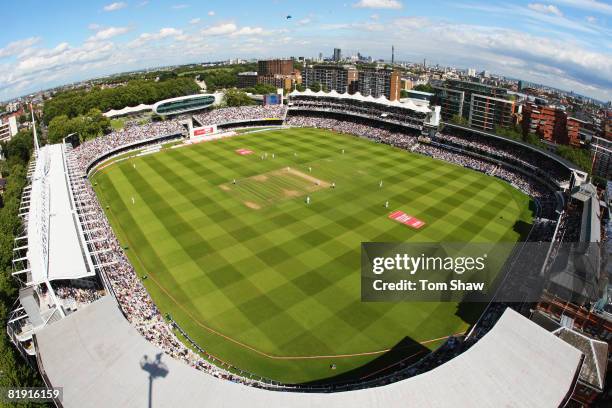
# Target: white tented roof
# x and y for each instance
(359, 97)
(127, 110)
(96, 356)
(55, 243)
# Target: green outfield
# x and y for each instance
(271, 284)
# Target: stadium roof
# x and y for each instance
(188, 103)
(127, 110)
(359, 97)
(56, 248)
(590, 226)
(96, 356)
(593, 370)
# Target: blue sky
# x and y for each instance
(563, 43)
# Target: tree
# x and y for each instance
(167, 75)
(534, 140)
(14, 372)
(580, 157)
(234, 97)
(59, 127)
(92, 125)
(424, 88)
(459, 120)
(510, 133)
(80, 102)
(403, 93)
(315, 87)
(19, 148)
(220, 79)
(261, 89)
(88, 126)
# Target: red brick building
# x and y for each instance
(607, 131)
(275, 67)
(279, 73)
(547, 122)
(579, 132)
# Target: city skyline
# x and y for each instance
(561, 43)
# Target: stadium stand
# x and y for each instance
(251, 116)
(241, 114)
(405, 114)
(53, 248)
(147, 332)
(117, 365)
(92, 151)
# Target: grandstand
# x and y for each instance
(251, 116)
(113, 359)
(406, 114)
(53, 248)
(68, 258)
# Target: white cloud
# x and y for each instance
(180, 6)
(360, 26)
(195, 20)
(94, 26)
(546, 9)
(374, 16)
(211, 13)
(379, 4)
(304, 21)
(248, 31)
(61, 60)
(591, 19)
(491, 45)
(115, 6)
(220, 29)
(589, 5)
(18, 46)
(411, 22)
(159, 35)
(167, 32)
(530, 16)
(107, 33)
(572, 61)
(232, 30)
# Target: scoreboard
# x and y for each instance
(273, 99)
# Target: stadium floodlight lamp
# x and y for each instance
(70, 135)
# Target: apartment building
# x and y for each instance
(331, 77)
(379, 82)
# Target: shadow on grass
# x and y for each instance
(408, 351)
(523, 229)
(404, 353)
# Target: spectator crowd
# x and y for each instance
(89, 150)
(507, 151)
(378, 135)
(393, 112)
(241, 114)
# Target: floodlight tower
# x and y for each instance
(36, 146)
